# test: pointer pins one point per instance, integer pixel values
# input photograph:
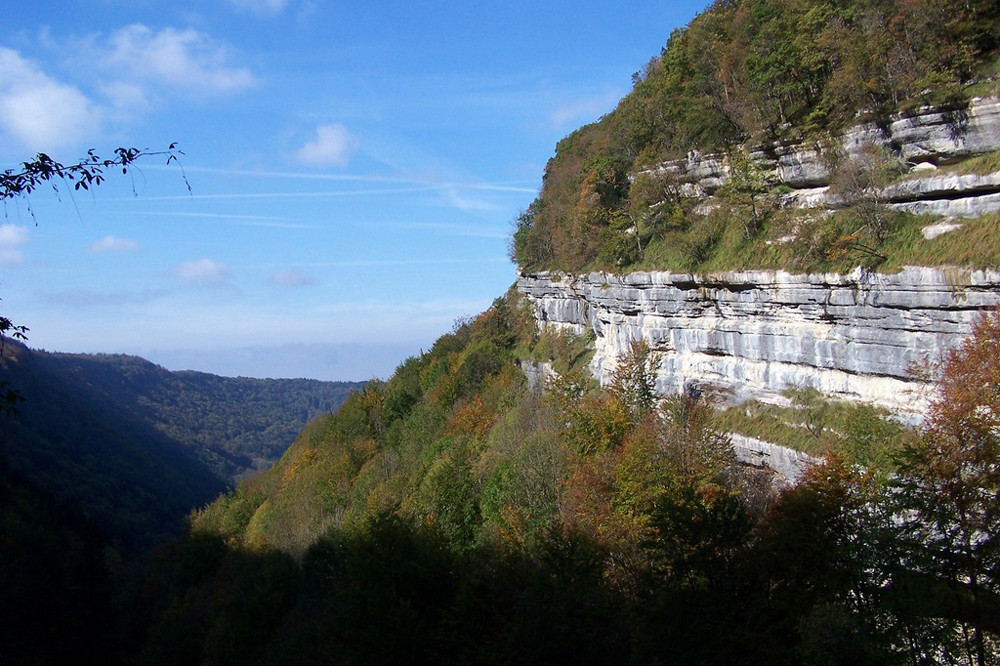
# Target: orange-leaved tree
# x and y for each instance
(949, 494)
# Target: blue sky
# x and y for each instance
(354, 168)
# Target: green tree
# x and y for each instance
(745, 188)
(816, 571)
(9, 396)
(634, 380)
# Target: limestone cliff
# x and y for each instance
(754, 334)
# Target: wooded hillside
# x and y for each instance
(456, 513)
(746, 74)
(135, 446)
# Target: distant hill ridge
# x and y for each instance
(137, 446)
(236, 425)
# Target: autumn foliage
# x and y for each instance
(747, 74)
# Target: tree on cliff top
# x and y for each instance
(752, 73)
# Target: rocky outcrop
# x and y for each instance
(788, 465)
(754, 334)
(736, 336)
(965, 195)
(923, 139)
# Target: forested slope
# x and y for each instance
(136, 447)
(457, 514)
(129, 479)
(754, 76)
(235, 426)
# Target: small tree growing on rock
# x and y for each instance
(634, 380)
(746, 187)
(860, 181)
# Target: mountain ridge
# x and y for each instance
(136, 446)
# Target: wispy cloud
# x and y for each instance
(12, 237)
(433, 307)
(403, 262)
(297, 175)
(185, 59)
(428, 182)
(203, 272)
(84, 298)
(584, 110)
(125, 99)
(377, 192)
(240, 220)
(458, 198)
(291, 277)
(452, 190)
(453, 229)
(114, 244)
(331, 145)
(261, 7)
(40, 112)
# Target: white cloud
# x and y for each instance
(39, 112)
(126, 99)
(331, 146)
(458, 197)
(12, 236)
(260, 6)
(114, 244)
(185, 59)
(290, 277)
(203, 271)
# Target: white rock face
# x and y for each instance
(753, 334)
(937, 136)
(964, 195)
(788, 465)
(924, 138)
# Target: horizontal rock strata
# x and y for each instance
(754, 334)
(924, 139)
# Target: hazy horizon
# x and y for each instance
(355, 171)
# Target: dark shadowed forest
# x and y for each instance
(461, 513)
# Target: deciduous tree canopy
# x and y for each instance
(749, 72)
